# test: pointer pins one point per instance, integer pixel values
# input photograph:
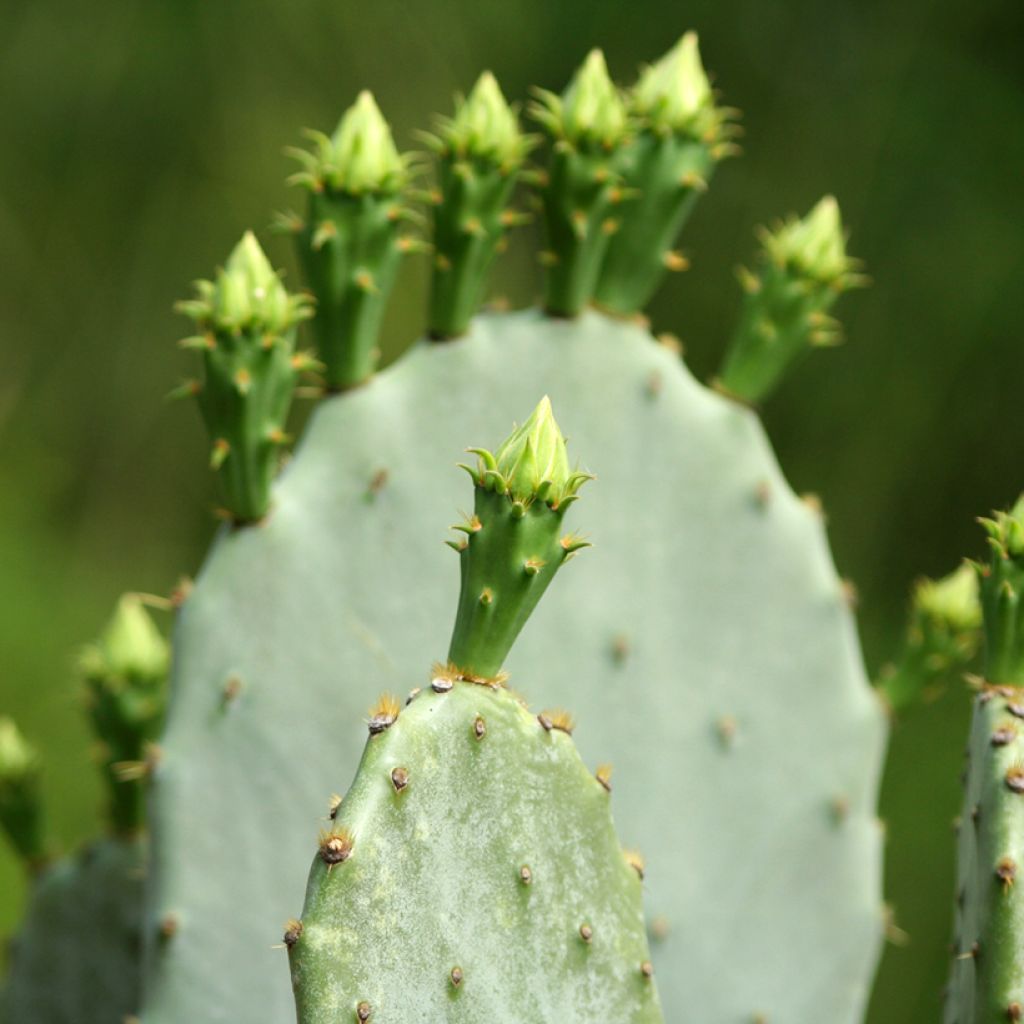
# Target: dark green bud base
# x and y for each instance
(249, 383)
(350, 250)
(784, 315)
(667, 173)
(580, 195)
(510, 553)
(470, 217)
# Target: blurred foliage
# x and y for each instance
(141, 139)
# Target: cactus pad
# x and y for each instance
(472, 873)
(77, 957)
(715, 663)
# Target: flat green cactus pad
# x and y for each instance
(472, 873)
(76, 958)
(707, 652)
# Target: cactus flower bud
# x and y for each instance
(675, 94)
(485, 126)
(942, 640)
(814, 244)
(125, 672)
(20, 808)
(361, 155)
(514, 542)
(131, 647)
(951, 601)
(1001, 584)
(533, 459)
(802, 271)
(591, 107)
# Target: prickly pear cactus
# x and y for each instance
(986, 982)
(77, 958)
(710, 648)
(473, 872)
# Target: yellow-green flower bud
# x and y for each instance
(533, 459)
(485, 126)
(361, 155)
(814, 244)
(675, 93)
(131, 647)
(591, 109)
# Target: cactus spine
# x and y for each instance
(473, 872)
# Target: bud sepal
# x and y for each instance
(1001, 586)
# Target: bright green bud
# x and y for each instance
(814, 244)
(591, 109)
(247, 294)
(131, 647)
(675, 93)
(18, 758)
(485, 126)
(1001, 585)
(361, 155)
(20, 803)
(951, 601)
(533, 460)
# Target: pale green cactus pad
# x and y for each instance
(472, 873)
(76, 958)
(707, 651)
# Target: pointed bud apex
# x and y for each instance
(533, 460)
(361, 155)
(20, 808)
(591, 109)
(951, 601)
(485, 126)
(814, 245)
(246, 295)
(131, 646)
(18, 758)
(675, 95)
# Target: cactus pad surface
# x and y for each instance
(472, 873)
(77, 957)
(715, 663)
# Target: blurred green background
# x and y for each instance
(139, 140)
